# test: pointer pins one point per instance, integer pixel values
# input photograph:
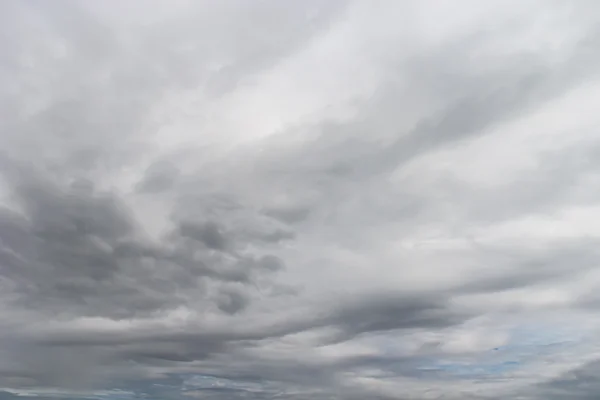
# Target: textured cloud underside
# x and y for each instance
(299, 200)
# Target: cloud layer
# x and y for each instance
(299, 200)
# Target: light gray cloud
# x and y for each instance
(580, 383)
(318, 200)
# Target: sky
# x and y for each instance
(299, 200)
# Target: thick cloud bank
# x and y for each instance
(299, 199)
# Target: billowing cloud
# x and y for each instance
(299, 200)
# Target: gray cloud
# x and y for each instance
(580, 383)
(312, 200)
(74, 249)
(159, 177)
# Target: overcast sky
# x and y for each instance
(299, 200)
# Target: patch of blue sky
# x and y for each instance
(477, 370)
(197, 382)
(527, 344)
(114, 394)
(117, 395)
(545, 334)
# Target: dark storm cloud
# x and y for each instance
(73, 248)
(207, 233)
(377, 314)
(232, 301)
(380, 313)
(161, 349)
